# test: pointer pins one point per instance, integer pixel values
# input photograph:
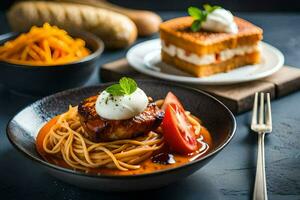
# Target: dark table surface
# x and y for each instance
(229, 176)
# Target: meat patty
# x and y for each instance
(100, 129)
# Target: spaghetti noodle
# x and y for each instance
(67, 139)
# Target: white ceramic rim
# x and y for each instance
(142, 68)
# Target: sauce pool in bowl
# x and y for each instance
(160, 160)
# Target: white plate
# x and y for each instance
(145, 58)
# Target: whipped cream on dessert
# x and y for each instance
(207, 59)
(220, 20)
(121, 107)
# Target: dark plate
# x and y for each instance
(41, 80)
(23, 128)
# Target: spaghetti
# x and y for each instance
(67, 139)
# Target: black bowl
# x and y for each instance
(41, 80)
(23, 128)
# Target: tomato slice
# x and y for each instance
(171, 98)
(177, 130)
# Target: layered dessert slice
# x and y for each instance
(209, 50)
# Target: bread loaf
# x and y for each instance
(147, 22)
(116, 30)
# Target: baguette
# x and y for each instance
(147, 22)
(116, 30)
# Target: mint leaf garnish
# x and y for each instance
(200, 15)
(115, 90)
(126, 86)
(195, 12)
(209, 9)
(195, 25)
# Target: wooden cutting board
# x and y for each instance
(237, 97)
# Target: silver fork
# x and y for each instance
(264, 125)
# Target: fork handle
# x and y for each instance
(260, 187)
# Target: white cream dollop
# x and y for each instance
(121, 107)
(220, 20)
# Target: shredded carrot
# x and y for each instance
(46, 45)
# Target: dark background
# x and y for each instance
(234, 5)
(230, 175)
(180, 5)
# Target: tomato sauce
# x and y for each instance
(148, 166)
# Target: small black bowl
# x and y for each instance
(41, 80)
(23, 128)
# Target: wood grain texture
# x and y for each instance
(237, 97)
(286, 81)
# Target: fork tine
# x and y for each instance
(269, 112)
(254, 112)
(261, 110)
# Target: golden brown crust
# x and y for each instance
(177, 32)
(207, 70)
(116, 30)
